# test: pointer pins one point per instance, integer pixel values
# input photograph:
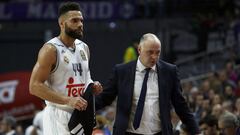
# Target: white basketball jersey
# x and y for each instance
(71, 74)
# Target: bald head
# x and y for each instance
(149, 50)
(149, 37)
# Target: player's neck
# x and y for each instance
(67, 41)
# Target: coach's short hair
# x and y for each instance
(68, 6)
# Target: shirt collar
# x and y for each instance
(141, 67)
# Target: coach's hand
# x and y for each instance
(78, 103)
(97, 88)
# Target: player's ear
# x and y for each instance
(61, 21)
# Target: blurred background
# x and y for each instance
(202, 37)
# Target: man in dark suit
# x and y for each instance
(146, 90)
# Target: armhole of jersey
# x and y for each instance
(87, 50)
(57, 60)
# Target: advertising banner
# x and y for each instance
(40, 11)
(15, 98)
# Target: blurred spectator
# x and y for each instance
(19, 129)
(1, 132)
(214, 82)
(217, 110)
(228, 93)
(184, 130)
(8, 125)
(229, 124)
(205, 88)
(102, 126)
(211, 94)
(110, 116)
(110, 113)
(227, 106)
(187, 88)
(237, 90)
(198, 108)
(192, 98)
(131, 53)
(232, 75)
(97, 132)
(217, 99)
(206, 108)
(209, 125)
(223, 77)
(237, 106)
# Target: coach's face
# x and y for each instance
(149, 52)
(73, 24)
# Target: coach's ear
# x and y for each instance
(139, 49)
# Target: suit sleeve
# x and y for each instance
(181, 106)
(110, 91)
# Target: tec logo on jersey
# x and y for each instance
(75, 90)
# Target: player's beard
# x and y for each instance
(73, 33)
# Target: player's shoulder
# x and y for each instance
(55, 42)
(79, 42)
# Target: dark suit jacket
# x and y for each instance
(121, 84)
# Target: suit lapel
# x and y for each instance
(159, 73)
(131, 76)
(160, 86)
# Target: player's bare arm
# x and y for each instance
(46, 61)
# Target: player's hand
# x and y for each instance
(77, 103)
(97, 88)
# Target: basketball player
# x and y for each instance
(61, 73)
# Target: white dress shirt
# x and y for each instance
(150, 122)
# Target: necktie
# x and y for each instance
(140, 105)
